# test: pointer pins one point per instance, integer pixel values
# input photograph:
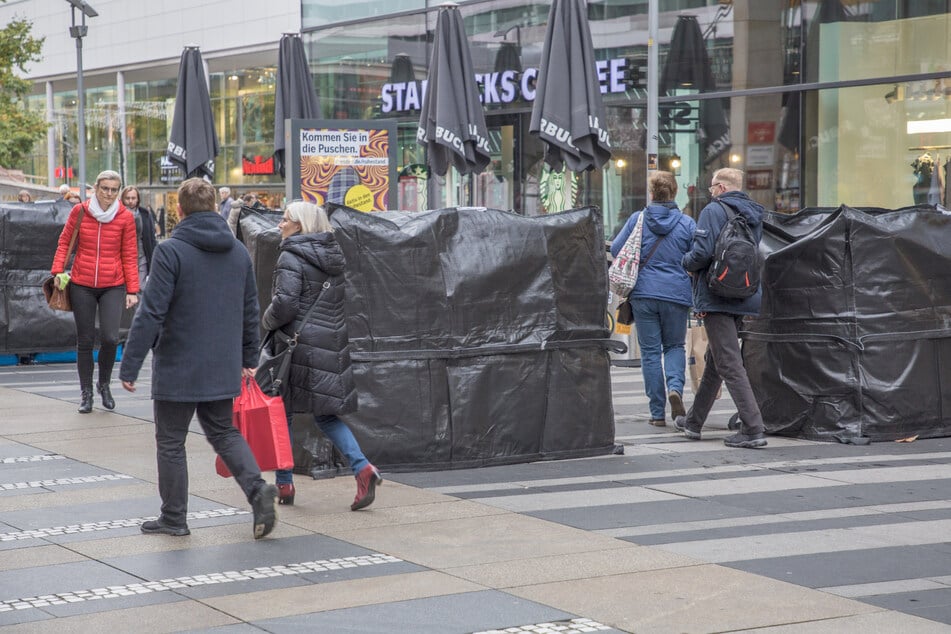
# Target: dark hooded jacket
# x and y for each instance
(662, 277)
(198, 314)
(700, 257)
(321, 380)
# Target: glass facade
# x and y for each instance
(243, 106)
(821, 103)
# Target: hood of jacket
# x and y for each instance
(319, 249)
(661, 218)
(205, 230)
(741, 203)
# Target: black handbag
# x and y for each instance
(277, 349)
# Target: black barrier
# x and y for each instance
(853, 342)
(478, 336)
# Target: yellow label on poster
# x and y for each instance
(359, 197)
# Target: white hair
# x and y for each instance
(312, 218)
(108, 175)
(224, 190)
(63, 189)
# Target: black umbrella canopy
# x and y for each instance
(294, 94)
(688, 66)
(193, 142)
(568, 113)
(451, 122)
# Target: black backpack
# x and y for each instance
(737, 261)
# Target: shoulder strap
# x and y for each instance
(75, 236)
(323, 287)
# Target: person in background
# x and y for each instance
(64, 192)
(199, 318)
(224, 207)
(24, 196)
(144, 228)
(160, 223)
(310, 268)
(723, 317)
(73, 198)
(104, 279)
(661, 297)
(251, 200)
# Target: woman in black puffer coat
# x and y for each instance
(310, 268)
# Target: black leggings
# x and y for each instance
(110, 302)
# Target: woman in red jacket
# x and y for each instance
(104, 277)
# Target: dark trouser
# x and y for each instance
(85, 301)
(725, 365)
(171, 427)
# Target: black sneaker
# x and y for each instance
(156, 527)
(745, 441)
(265, 516)
(689, 432)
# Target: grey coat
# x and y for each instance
(321, 380)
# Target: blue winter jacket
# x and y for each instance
(663, 277)
(700, 256)
(198, 314)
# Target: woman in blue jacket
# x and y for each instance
(661, 299)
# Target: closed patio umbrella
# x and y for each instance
(294, 94)
(568, 113)
(688, 66)
(452, 122)
(193, 142)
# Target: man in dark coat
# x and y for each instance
(199, 316)
(723, 317)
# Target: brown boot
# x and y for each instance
(367, 481)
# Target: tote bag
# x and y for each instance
(263, 423)
(622, 275)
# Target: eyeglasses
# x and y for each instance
(284, 221)
(714, 186)
(108, 190)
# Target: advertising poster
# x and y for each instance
(346, 162)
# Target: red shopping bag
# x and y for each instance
(261, 420)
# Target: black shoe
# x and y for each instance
(156, 527)
(676, 404)
(86, 405)
(745, 441)
(689, 432)
(265, 516)
(107, 401)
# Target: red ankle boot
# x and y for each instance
(367, 481)
(285, 494)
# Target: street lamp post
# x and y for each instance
(78, 31)
(653, 81)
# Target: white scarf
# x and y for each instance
(101, 215)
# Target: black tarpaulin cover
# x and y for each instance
(28, 235)
(854, 337)
(478, 336)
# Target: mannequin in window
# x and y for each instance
(923, 166)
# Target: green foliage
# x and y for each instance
(20, 129)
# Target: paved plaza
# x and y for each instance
(673, 536)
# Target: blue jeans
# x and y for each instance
(341, 437)
(661, 331)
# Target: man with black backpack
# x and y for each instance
(726, 265)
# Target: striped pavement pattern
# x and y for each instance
(870, 523)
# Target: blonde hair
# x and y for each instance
(312, 218)
(108, 175)
(730, 177)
